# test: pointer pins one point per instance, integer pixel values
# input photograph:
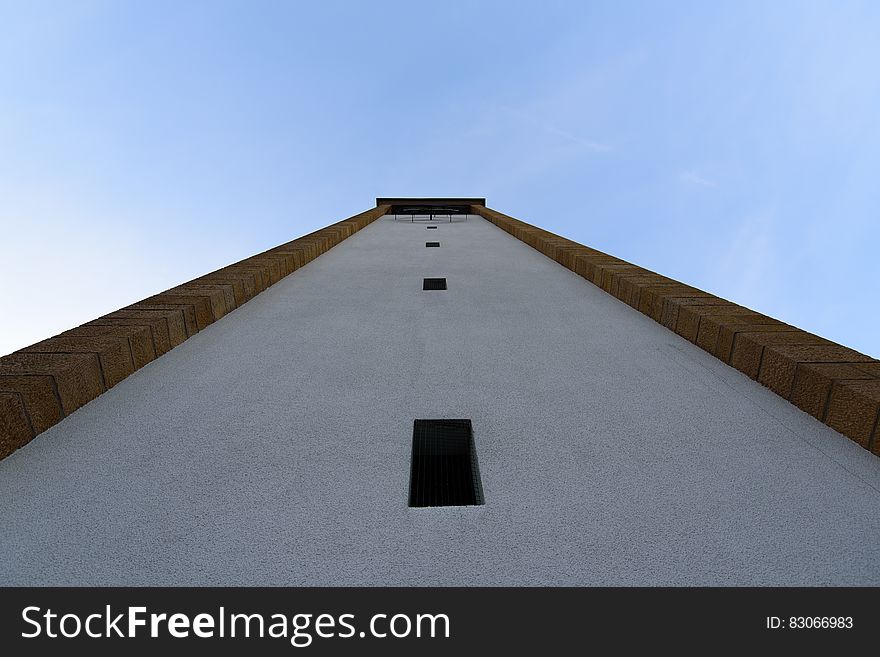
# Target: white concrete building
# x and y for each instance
(274, 446)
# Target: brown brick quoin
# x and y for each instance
(748, 348)
(43, 383)
(590, 266)
(846, 397)
(582, 260)
(243, 285)
(303, 251)
(732, 326)
(222, 295)
(15, 427)
(114, 354)
(278, 265)
(557, 249)
(270, 267)
(76, 377)
(611, 276)
(853, 410)
(711, 326)
(630, 288)
(567, 255)
(872, 367)
(779, 363)
(173, 319)
(298, 253)
(627, 286)
(666, 303)
(285, 261)
(234, 288)
(140, 340)
(689, 317)
(811, 390)
(654, 300)
(297, 256)
(598, 267)
(39, 396)
(187, 310)
(157, 328)
(653, 297)
(260, 282)
(209, 305)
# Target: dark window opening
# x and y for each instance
(432, 243)
(434, 284)
(444, 469)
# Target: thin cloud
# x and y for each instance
(691, 178)
(745, 270)
(546, 126)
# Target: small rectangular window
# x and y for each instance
(434, 284)
(444, 469)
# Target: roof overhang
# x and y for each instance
(430, 202)
(410, 205)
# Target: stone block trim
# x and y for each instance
(113, 354)
(39, 396)
(155, 327)
(139, 339)
(75, 378)
(834, 384)
(854, 410)
(43, 383)
(15, 428)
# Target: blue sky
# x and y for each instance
(733, 146)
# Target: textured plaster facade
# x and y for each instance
(273, 447)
